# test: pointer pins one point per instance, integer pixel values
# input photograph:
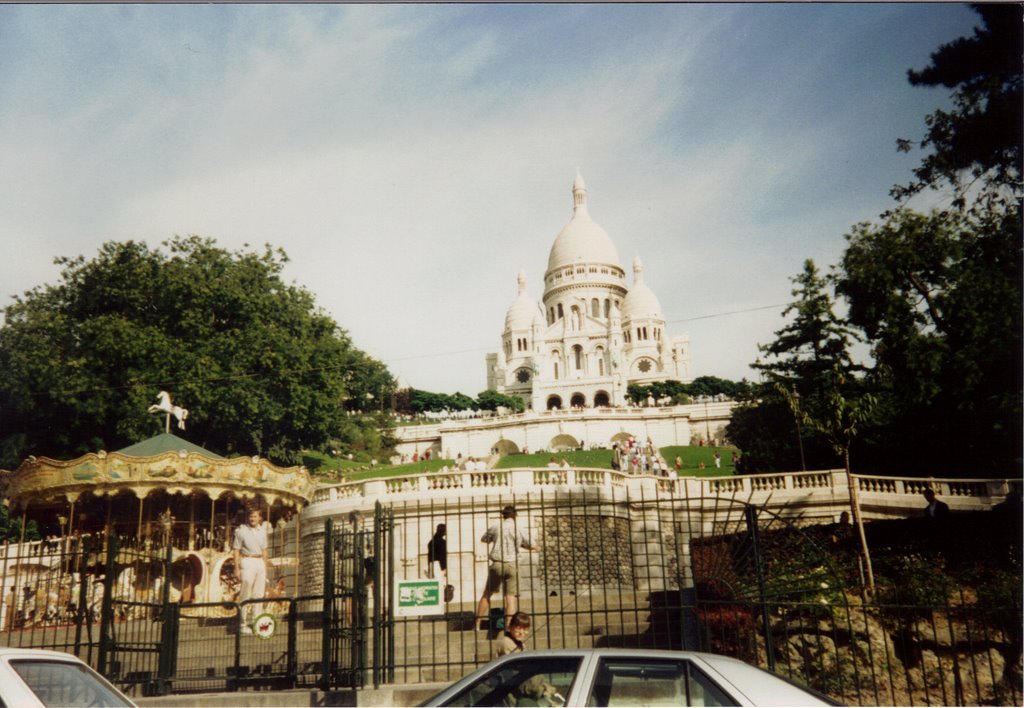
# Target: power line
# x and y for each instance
(731, 312)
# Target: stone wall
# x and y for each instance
(585, 551)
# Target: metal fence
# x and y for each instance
(608, 571)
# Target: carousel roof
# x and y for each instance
(165, 463)
(165, 442)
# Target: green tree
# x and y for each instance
(980, 138)
(939, 298)
(844, 410)
(259, 368)
(10, 529)
(490, 400)
(939, 295)
(798, 364)
(814, 343)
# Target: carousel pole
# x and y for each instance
(71, 533)
(24, 515)
(192, 521)
(142, 503)
(209, 568)
(298, 516)
(106, 527)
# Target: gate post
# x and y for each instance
(107, 608)
(328, 606)
(755, 541)
(85, 546)
(169, 614)
(292, 654)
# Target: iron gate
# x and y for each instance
(358, 639)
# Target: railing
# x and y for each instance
(433, 429)
(783, 487)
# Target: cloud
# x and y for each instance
(412, 159)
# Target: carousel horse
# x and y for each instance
(164, 406)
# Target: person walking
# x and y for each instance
(437, 552)
(503, 572)
(249, 549)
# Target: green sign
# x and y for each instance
(419, 597)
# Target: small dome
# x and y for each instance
(524, 309)
(582, 240)
(640, 302)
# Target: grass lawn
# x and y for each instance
(342, 470)
(693, 455)
(331, 469)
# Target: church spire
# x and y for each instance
(521, 281)
(638, 270)
(579, 194)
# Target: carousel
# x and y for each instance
(163, 497)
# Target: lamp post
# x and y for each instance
(799, 437)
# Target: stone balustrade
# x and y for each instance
(819, 493)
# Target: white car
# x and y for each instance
(623, 677)
(30, 678)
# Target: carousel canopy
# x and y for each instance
(165, 442)
(162, 463)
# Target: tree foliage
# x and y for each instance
(815, 342)
(491, 400)
(799, 367)
(980, 138)
(937, 296)
(259, 368)
(681, 393)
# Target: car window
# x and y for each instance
(522, 682)
(654, 682)
(62, 683)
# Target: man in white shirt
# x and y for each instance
(503, 573)
(250, 550)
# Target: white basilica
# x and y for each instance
(591, 336)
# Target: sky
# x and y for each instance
(412, 159)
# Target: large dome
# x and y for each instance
(582, 240)
(640, 302)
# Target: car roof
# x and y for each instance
(48, 654)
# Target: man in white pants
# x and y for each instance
(250, 550)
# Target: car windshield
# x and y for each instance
(63, 683)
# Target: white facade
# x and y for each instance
(591, 336)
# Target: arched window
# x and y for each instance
(556, 370)
(577, 353)
(551, 315)
(560, 313)
(599, 355)
(595, 308)
(607, 307)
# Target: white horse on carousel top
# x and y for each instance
(164, 406)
